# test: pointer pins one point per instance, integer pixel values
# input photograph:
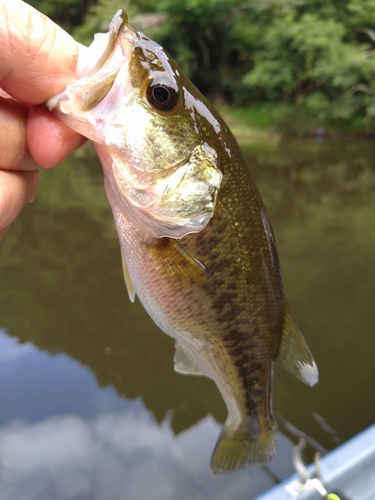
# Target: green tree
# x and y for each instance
(318, 55)
(198, 35)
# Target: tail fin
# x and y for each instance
(234, 451)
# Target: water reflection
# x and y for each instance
(97, 445)
(321, 199)
(62, 290)
(49, 385)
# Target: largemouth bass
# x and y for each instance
(197, 245)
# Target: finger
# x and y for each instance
(16, 190)
(49, 140)
(38, 58)
(14, 154)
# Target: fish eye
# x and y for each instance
(162, 97)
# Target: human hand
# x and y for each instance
(37, 61)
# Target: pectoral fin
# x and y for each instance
(294, 355)
(177, 263)
(184, 253)
(184, 361)
(128, 280)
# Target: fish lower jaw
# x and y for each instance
(78, 122)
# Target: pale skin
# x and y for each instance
(37, 60)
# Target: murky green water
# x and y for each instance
(90, 407)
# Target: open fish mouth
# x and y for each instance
(86, 98)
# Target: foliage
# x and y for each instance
(317, 55)
(97, 20)
(198, 35)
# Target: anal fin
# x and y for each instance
(184, 361)
(128, 280)
(294, 355)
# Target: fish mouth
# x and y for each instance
(83, 106)
(118, 25)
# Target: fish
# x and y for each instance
(196, 242)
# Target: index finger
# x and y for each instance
(36, 54)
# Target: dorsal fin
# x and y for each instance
(294, 355)
(184, 361)
(128, 280)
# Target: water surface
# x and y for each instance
(90, 406)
